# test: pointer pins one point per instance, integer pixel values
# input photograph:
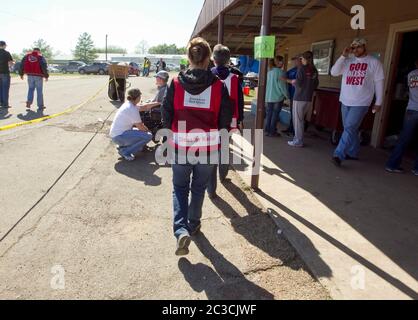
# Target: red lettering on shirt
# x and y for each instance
(357, 74)
(413, 82)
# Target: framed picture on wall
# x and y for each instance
(323, 52)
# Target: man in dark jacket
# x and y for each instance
(6, 61)
(35, 67)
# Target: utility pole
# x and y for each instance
(106, 47)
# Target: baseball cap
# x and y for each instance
(2, 43)
(163, 75)
(359, 42)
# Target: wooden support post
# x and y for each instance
(221, 24)
(261, 98)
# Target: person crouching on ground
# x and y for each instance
(223, 70)
(196, 101)
(306, 83)
(128, 131)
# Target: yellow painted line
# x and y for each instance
(69, 110)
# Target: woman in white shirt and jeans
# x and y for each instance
(128, 131)
(363, 77)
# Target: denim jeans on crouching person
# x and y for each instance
(4, 89)
(36, 83)
(350, 142)
(408, 133)
(273, 110)
(189, 181)
(132, 141)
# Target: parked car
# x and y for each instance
(134, 69)
(72, 67)
(52, 69)
(172, 67)
(95, 68)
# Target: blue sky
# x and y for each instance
(127, 22)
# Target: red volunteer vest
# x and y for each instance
(195, 123)
(232, 83)
(32, 65)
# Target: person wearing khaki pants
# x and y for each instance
(299, 112)
(306, 83)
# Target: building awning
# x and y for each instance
(242, 20)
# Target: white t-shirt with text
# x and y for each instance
(126, 117)
(362, 79)
(413, 90)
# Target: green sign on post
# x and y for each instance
(264, 47)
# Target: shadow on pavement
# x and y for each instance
(379, 206)
(142, 169)
(259, 230)
(226, 282)
(31, 115)
(308, 247)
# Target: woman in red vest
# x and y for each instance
(197, 106)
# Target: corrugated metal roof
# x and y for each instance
(243, 19)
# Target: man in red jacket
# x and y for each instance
(35, 67)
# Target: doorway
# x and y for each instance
(406, 52)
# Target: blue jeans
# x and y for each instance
(188, 179)
(409, 130)
(273, 110)
(36, 83)
(4, 89)
(350, 141)
(132, 141)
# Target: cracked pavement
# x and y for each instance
(108, 224)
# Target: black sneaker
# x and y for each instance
(337, 161)
(183, 244)
(398, 170)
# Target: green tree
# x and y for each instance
(167, 49)
(112, 49)
(85, 51)
(17, 57)
(45, 48)
(182, 50)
